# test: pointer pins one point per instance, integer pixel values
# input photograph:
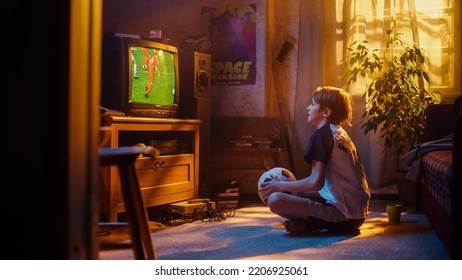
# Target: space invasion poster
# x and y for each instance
(231, 30)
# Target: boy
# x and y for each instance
(335, 196)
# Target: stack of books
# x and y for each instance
(241, 143)
(229, 195)
(259, 143)
(263, 143)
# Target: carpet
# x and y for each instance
(254, 233)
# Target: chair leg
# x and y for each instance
(142, 241)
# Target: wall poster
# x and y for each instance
(231, 30)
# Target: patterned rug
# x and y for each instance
(254, 233)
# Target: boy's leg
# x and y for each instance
(292, 207)
(305, 214)
(296, 226)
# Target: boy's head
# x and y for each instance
(337, 100)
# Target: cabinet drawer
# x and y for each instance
(164, 177)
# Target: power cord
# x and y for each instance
(204, 214)
(220, 214)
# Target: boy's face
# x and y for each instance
(316, 116)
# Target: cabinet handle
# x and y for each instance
(156, 165)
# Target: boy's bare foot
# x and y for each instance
(297, 226)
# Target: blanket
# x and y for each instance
(413, 158)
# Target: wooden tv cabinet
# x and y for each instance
(168, 178)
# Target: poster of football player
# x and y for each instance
(232, 33)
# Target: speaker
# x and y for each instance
(194, 83)
(195, 104)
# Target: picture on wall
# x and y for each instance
(231, 30)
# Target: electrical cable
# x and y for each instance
(204, 214)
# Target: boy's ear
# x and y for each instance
(326, 112)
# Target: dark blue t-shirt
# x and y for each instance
(320, 145)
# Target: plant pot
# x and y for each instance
(407, 190)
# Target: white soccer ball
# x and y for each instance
(282, 173)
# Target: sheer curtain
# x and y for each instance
(328, 27)
(429, 23)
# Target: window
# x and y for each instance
(429, 23)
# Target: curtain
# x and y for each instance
(428, 23)
(316, 66)
(328, 27)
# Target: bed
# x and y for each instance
(436, 168)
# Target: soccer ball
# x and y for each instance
(281, 172)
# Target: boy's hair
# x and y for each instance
(338, 100)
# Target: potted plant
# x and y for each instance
(396, 93)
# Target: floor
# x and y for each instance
(391, 236)
(158, 221)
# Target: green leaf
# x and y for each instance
(396, 100)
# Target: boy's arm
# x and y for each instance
(310, 184)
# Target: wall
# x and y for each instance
(179, 19)
(276, 23)
(287, 84)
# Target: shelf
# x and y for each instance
(165, 179)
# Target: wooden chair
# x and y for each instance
(137, 216)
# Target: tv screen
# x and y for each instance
(152, 75)
(140, 77)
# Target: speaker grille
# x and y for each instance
(202, 72)
(194, 83)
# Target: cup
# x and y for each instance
(155, 33)
(394, 213)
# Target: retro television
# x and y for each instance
(140, 76)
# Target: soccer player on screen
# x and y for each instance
(135, 73)
(146, 58)
(152, 67)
